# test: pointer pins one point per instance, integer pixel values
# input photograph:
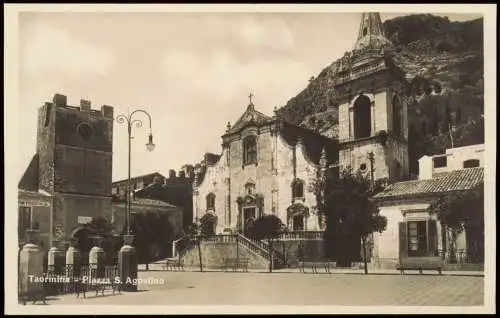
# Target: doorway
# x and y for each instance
(249, 215)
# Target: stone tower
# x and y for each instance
(372, 105)
(75, 162)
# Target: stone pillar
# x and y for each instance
(127, 259)
(73, 260)
(30, 268)
(96, 259)
(55, 259)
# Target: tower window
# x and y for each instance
(471, 163)
(211, 201)
(365, 31)
(298, 189)
(362, 117)
(250, 150)
(85, 130)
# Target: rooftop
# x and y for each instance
(457, 180)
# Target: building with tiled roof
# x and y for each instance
(412, 232)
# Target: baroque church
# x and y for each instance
(268, 166)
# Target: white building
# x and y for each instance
(411, 230)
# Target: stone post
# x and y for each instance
(127, 260)
(55, 259)
(97, 259)
(73, 260)
(30, 268)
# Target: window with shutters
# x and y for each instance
(421, 238)
(417, 238)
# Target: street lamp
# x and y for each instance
(150, 146)
(127, 256)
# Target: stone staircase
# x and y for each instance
(227, 244)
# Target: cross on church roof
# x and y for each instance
(250, 97)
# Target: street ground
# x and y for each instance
(337, 289)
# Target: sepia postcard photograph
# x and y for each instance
(235, 159)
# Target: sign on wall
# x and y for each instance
(84, 219)
(33, 203)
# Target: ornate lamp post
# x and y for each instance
(127, 257)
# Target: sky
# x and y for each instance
(192, 72)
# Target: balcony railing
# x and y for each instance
(461, 256)
(301, 235)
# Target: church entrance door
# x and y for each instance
(249, 214)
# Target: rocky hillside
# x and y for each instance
(444, 65)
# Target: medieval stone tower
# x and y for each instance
(372, 105)
(75, 162)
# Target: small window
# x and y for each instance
(250, 150)
(365, 31)
(211, 201)
(471, 163)
(249, 188)
(298, 189)
(440, 162)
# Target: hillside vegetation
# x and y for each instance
(443, 61)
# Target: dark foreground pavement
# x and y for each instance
(221, 288)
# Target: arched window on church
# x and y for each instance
(362, 117)
(250, 150)
(211, 201)
(397, 115)
(298, 189)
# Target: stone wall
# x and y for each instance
(213, 253)
(68, 207)
(45, 145)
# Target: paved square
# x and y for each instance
(220, 288)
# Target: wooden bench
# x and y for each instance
(174, 264)
(315, 265)
(420, 264)
(235, 264)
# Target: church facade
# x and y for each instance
(268, 166)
